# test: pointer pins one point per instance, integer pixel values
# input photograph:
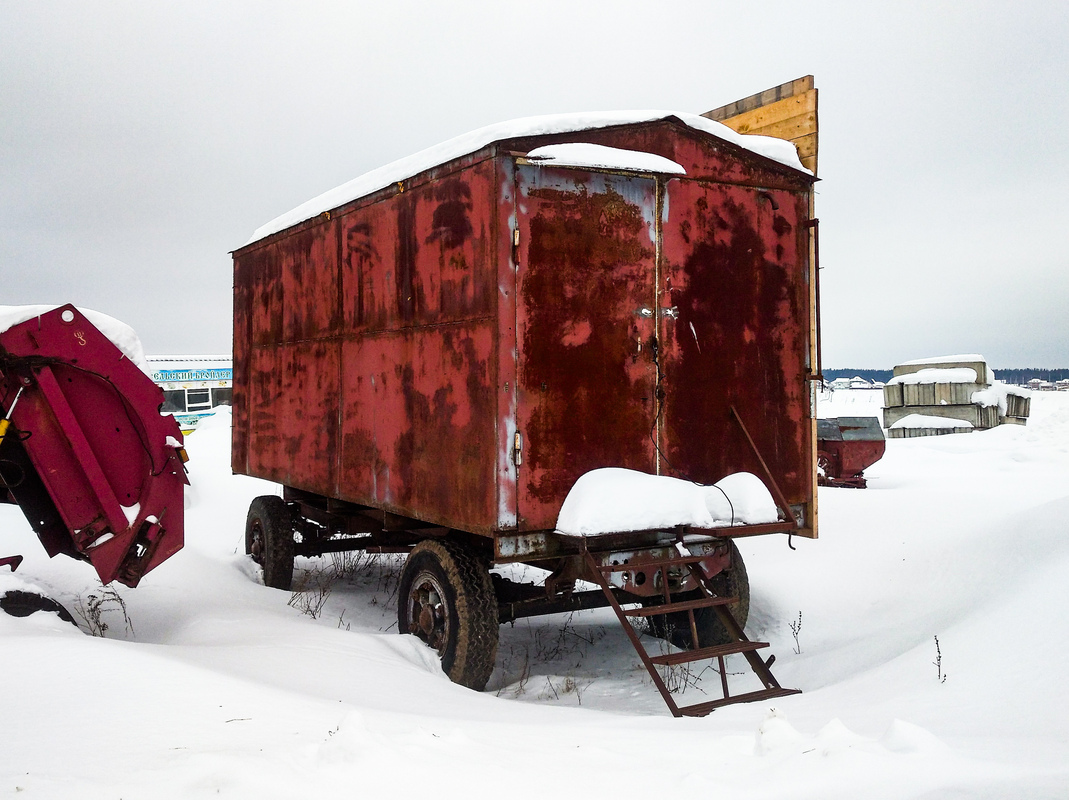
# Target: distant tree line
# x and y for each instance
(870, 375)
(1015, 376)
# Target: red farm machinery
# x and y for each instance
(84, 450)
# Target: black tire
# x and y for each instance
(20, 603)
(446, 598)
(675, 627)
(269, 540)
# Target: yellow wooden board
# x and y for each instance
(787, 108)
(765, 98)
(787, 111)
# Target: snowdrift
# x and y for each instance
(925, 626)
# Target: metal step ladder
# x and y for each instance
(740, 643)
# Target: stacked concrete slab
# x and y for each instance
(929, 397)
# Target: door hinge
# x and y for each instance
(517, 449)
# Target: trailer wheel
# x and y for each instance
(447, 599)
(675, 627)
(269, 540)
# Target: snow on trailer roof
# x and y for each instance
(778, 150)
(597, 156)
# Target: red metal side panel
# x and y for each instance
(736, 271)
(250, 284)
(369, 299)
(311, 290)
(294, 401)
(419, 424)
(587, 266)
(448, 243)
(372, 367)
(286, 360)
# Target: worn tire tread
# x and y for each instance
(468, 575)
(276, 519)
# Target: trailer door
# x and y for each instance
(735, 320)
(587, 259)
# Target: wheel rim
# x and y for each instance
(256, 546)
(428, 615)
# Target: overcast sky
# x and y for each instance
(141, 142)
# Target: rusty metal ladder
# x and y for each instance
(740, 643)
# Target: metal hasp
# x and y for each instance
(846, 446)
(95, 467)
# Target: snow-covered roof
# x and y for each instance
(932, 375)
(968, 358)
(597, 156)
(778, 150)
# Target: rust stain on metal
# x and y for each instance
(587, 271)
(736, 274)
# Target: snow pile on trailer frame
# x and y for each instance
(614, 500)
(778, 150)
(250, 697)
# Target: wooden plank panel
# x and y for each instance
(790, 128)
(774, 113)
(788, 111)
(767, 97)
(807, 147)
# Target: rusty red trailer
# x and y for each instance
(438, 352)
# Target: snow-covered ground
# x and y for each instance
(211, 685)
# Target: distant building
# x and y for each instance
(193, 386)
(1038, 385)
